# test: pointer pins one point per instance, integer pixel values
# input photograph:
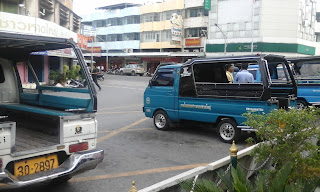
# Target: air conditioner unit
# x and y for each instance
(196, 50)
(201, 49)
(125, 50)
(186, 50)
(130, 50)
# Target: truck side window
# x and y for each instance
(163, 79)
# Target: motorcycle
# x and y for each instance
(100, 76)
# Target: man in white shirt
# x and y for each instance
(244, 76)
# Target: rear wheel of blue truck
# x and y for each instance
(161, 120)
(228, 131)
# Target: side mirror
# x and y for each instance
(150, 83)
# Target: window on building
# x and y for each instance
(133, 20)
(119, 21)
(101, 38)
(198, 12)
(100, 23)
(9, 6)
(166, 35)
(318, 16)
(194, 32)
(156, 16)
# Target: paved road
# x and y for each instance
(134, 149)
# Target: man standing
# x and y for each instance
(94, 74)
(244, 76)
(229, 71)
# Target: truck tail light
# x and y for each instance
(78, 147)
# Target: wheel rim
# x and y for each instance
(133, 73)
(160, 121)
(300, 105)
(227, 131)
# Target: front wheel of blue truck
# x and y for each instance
(161, 120)
(228, 131)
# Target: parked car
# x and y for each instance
(200, 91)
(47, 133)
(132, 69)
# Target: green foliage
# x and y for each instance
(53, 75)
(264, 182)
(288, 136)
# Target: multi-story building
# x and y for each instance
(196, 22)
(118, 31)
(156, 35)
(53, 18)
(285, 27)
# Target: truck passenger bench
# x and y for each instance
(32, 109)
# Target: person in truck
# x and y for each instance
(229, 71)
(244, 76)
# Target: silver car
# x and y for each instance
(132, 69)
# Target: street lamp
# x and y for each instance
(225, 39)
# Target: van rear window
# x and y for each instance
(164, 79)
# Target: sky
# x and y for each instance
(81, 7)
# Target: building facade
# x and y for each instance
(196, 21)
(51, 18)
(283, 27)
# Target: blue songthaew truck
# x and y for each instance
(307, 74)
(306, 71)
(199, 90)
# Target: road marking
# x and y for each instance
(125, 128)
(135, 173)
(127, 106)
(118, 112)
(135, 88)
(137, 129)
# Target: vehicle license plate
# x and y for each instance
(35, 165)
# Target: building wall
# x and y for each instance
(129, 28)
(193, 3)
(158, 27)
(107, 14)
(285, 26)
(117, 45)
(161, 7)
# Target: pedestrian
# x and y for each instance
(94, 74)
(244, 76)
(229, 70)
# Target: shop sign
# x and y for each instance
(193, 42)
(95, 49)
(176, 29)
(207, 5)
(15, 23)
(82, 41)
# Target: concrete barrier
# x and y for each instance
(204, 172)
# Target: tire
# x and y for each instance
(101, 78)
(301, 104)
(133, 73)
(161, 120)
(228, 131)
(121, 72)
(61, 180)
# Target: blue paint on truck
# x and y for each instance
(199, 91)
